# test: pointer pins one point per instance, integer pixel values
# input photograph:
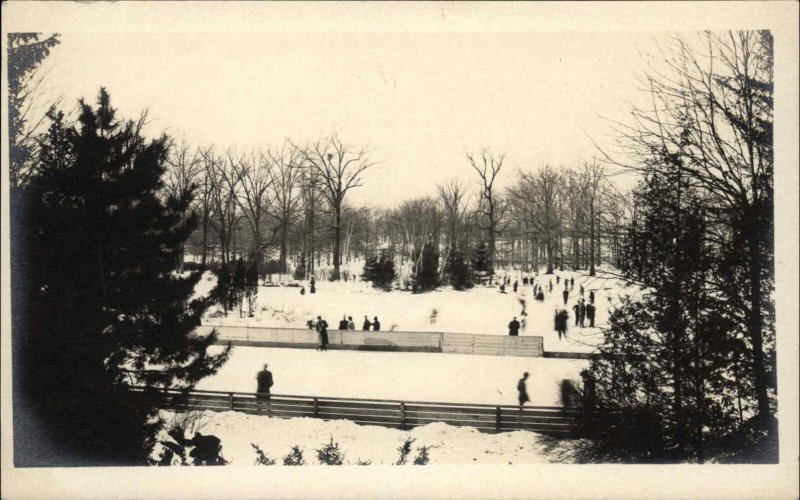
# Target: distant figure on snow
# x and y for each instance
(572, 282)
(523, 390)
(591, 297)
(566, 296)
(561, 322)
(350, 324)
(366, 326)
(515, 286)
(577, 309)
(525, 281)
(343, 323)
(582, 311)
(302, 290)
(513, 327)
(581, 291)
(590, 309)
(264, 384)
(540, 296)
(322, 334)
(503, 288)
(310, 324)
(434, 315)
(376, 325)
(551, 286)
(312, 288)
(558, 279)
(523, 304)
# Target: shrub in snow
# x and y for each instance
(300, 269)
(379, 270)
(404, 450)
(570, 395)
(363, 462)
(330, 454)
(295, 457)
(480, 259)
(261, 457)
(422, 456)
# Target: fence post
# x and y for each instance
(316, 407)
(441, 342)
(403, 415)
(230, 400)
(497, 419)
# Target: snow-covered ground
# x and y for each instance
(482, 309)
(449, 444)
(406, 376)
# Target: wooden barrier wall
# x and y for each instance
(553, 421)
(458, 343)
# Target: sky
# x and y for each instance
(417, 101)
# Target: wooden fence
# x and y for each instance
(457, 343)
(553, 421)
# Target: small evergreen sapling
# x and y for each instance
(330, 454)
(295, 457)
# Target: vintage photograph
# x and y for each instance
(392, 249)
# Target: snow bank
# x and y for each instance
(449, 444)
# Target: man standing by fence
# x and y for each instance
(264, 379)
(523, 390)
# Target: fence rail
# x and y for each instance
(442, 342)
(553, 421)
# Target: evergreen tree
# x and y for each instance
(222, 292)
(251, 286)
(380, 271)
(98, 309)
(460, 271)
(480, 259)
(679, 394)
(426, 268)
(300, 269)
(239, 285)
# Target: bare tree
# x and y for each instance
(286, 175)
(491, 205)
(184, 171)
(223, 184)
(253, 175)
(592, 174)
(340, 168)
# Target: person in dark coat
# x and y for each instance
(591, 296)
(582, 311)
(366, 326)
(566, 296)
(513, 327)
(515, 286)
(572, 283)
(264, 384)
(551, 286)
(313, 288)
(310, 324)
(523, 390)
(206, 449)
(322, 331)
(376, 325)
(581, 291)
(503, 288)
(540, 296)
(590, 309)
(577, 309)
(350, 324)
(343, 323)
(302, 290)
(525, 281)
(558, 279)
(561, 323)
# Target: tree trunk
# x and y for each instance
(591, 239)
(755, 323)
(337, 241)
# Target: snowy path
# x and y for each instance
(481, 310)
(406, 376)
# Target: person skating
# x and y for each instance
(572, 282)
(264, 383)
(523, 390)
(322, 333)
(590, 310)
(551, 286)
(560, 321)
(343, 323)
(591, 296)
(577, 309)
(376, 325)
(513, 327)
(565, 293)
(581, 291)
(312, 287)
(515, 286)
(525, 281)
(366, 326)
(503, 288)
(558, 279)
(582, 311)
(350, 324)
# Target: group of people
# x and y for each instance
(347, 323)
(584, 311)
